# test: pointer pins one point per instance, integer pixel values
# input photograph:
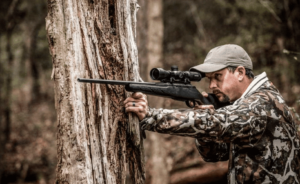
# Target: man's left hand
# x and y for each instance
(138, 104)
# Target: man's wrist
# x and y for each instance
(149, 112)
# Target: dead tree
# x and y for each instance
(95, 139)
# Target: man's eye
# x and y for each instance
(217, 76)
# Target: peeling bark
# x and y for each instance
(94, 39)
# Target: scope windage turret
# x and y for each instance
(174, 75)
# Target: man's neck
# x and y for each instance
(243, 88)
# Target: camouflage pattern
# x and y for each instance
(257, 134)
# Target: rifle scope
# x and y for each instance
(174, 75)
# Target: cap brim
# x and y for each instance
(208, 68)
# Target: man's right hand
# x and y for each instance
(204, 94)
(138, 104)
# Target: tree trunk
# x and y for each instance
(94, 39)
(157, 170)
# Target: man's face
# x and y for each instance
(224, 85)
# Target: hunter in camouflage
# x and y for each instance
(256, 133)
(259, 127)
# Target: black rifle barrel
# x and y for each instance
(115, 82)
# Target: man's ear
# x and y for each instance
(241, 72)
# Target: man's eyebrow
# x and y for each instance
(220, 73)
(208, 76)
(213, 74)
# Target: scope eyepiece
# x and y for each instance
(159, 73)
(174, 75)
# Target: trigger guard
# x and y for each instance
(187, 102)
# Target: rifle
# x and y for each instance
(173, 84)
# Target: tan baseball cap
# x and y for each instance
(224, 56)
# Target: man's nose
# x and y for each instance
(212, 85)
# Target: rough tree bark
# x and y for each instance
(94, 39)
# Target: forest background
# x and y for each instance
(268, 30)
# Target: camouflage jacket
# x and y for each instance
(257, 134)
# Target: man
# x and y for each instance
(256, 132)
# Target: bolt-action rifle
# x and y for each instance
(173, 84)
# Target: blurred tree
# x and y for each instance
(94, 39)
(150, 46)
(31, 59)
(8, 20)
(268, 30)
(21, 154)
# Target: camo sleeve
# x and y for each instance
(213, 151)
(244, 122)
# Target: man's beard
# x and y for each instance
(225, 97)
